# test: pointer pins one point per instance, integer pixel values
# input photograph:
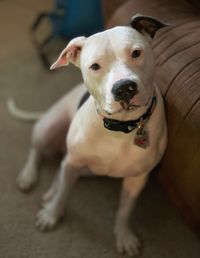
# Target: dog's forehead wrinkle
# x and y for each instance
(98, 39)
(123, 32)
(126, 39)
(96, 48)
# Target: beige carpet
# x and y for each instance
(86, 231)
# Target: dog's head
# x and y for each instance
(117, 64)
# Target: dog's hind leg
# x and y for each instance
(48, 138)
(28, 176)
(49, 135)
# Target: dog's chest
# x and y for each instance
(112, 160)
(111, 153)
(108, 154)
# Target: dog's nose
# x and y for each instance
(124, 90)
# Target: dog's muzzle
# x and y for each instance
(124, 90)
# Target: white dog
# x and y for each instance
(119, 131)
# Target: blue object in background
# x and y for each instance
(77, 17)
(70, 19)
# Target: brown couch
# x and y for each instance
(177, 50)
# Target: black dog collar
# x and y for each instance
(123, 126)
(130, 125)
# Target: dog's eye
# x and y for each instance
(136, 53)
(95, 67)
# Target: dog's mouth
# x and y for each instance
(126, 106)
(123, 108)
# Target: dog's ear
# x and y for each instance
(146, 24)
(71, 54)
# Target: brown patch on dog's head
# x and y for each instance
(146, 24)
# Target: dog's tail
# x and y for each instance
(20, 114)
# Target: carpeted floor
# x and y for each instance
(86, 231)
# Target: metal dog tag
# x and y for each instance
(141, 137)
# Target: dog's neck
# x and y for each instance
(131, 120)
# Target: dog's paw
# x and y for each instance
(46, 218)
(26, 180)
(127, 242)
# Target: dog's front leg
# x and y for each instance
(54, 207)
(126, 241)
